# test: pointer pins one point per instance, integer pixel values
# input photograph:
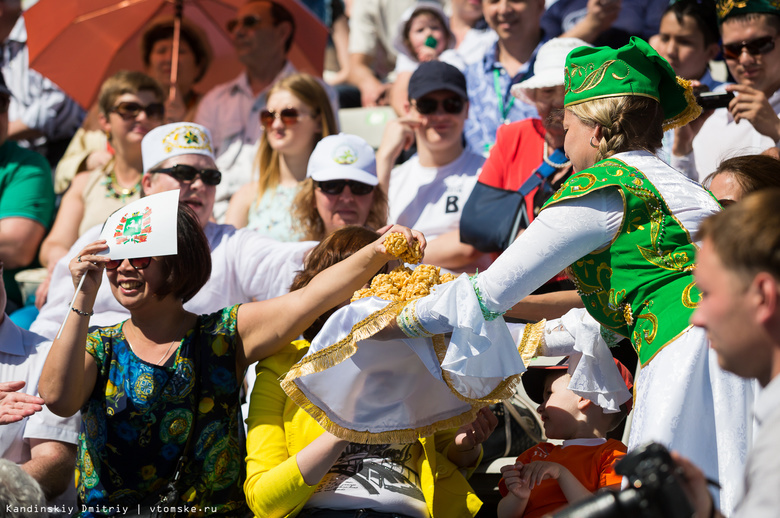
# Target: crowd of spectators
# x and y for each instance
(277, 192)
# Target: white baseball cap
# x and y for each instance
(175, 139)
(343, 157)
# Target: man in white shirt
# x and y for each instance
(750, 124)
(245, 265)
(738, 274)
(428, 191)
(43, 444)
(262, 35)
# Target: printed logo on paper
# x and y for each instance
(134, 227)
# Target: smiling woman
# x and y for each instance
(130, 105)
(338, 193)
(297, 115)
(159, 392)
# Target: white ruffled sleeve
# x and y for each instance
(471, 308)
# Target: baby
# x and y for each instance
(547, 477)
(424, 33)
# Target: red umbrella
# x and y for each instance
(77, 44)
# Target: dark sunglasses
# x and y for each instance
(187, 173)
(5, 102)
(139, 263)
(337, 187)
(451, 105)
(248, 21)
(754, 47)
(130, 110)
(289, 117)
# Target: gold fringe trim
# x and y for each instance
(690, 113)
(503, 390)
(531, 342)
(346, 347)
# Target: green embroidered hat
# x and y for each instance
(728, 8)
(634, 69)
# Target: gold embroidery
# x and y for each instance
(687, 300)
(186, 137)
(591, 180)
(725, 6)
(593, 79)
(648, 335)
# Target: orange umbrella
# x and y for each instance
(77, 44)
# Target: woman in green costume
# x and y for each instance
(624, 223)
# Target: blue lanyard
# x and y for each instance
(502, 111)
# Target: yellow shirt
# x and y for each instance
(278, 429)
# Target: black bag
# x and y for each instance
(518, 429)
(492, 217)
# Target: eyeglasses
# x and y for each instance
(754, 47)
(130, 110)
(187, 173)
(451, 105)
(139, 263)
(337, 187)
(289, 117)
(249, 21)
(5, 102)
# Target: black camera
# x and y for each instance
(654, 490)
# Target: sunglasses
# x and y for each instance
(288, 116)
(249, 21)
(187, 173)
(337, 187)
(5, 102)
(451, 105)
(139, 263)
(130, 110)
(754, 47)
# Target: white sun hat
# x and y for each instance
(175, 139)
(398, 41)
(343, 157)
(548, 67)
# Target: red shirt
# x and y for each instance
(514, 158)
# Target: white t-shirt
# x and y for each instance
(382, 477)
(431, 199)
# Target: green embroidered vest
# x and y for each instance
(641, 285)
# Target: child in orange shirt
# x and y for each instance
(547, 477)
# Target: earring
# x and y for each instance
(591, 142)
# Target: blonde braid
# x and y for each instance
(627, 123)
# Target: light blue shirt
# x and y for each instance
(490, 107)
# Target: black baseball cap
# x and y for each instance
(432, 76)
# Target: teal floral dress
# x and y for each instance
(136, 423)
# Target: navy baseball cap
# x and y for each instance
(432, 76)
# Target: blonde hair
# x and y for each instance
(309, 91)
(628, 122)
(307, 219)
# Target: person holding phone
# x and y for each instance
(750, 123)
